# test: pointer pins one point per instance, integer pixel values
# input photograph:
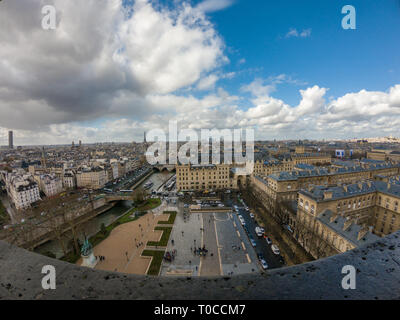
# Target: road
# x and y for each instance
(261, 244)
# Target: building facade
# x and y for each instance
(205, 177)
(22, 189)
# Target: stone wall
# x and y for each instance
(377, 265)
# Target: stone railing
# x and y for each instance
(377, 266)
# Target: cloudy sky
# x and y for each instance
(113, 69)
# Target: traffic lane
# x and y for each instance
(245, 239)
(262, 245)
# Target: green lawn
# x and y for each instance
(142, 210)
(102, 235)
(171, 219)
(156, 262)
(164, 238)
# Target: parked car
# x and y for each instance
(275, 249)
(260, 256)
(252, 215)
(258, 231)
(269, 241)
(264, 264)
(253, 243)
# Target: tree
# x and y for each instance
(310, 240)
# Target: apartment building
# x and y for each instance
(347, 216)
(311, 158)
(69, 179)
(285, 185)
(91, 178)
(205, 177)
(22, 189)
(49, 184)
(272, 165)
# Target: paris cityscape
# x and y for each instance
(284, 162)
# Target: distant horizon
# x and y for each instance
(182, 141)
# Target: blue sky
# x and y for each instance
(341, 60)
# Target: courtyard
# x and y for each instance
(228, 249)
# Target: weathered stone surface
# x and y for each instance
(377, 265)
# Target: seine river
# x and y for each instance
(93, 226)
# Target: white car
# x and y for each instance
(275, 249)
(241, 220)
(252, 215)
(264, 264)
(258, 231)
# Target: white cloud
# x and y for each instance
(135, 72)
(302, 34)
(207, 83)
(92, 63)
(214, 5)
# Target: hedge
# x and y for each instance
(156, 262)
(171, 219)
(164, 238)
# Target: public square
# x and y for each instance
(229, 251)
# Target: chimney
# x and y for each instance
(333, 218)
(362, 233)
(389, 185)
(347, 224)
(360, 185)
(345, 188)
(328, 195)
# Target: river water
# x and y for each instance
(93, 226)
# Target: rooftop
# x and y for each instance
(351, 233)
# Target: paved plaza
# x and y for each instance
(124, 246)
(229, 250)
